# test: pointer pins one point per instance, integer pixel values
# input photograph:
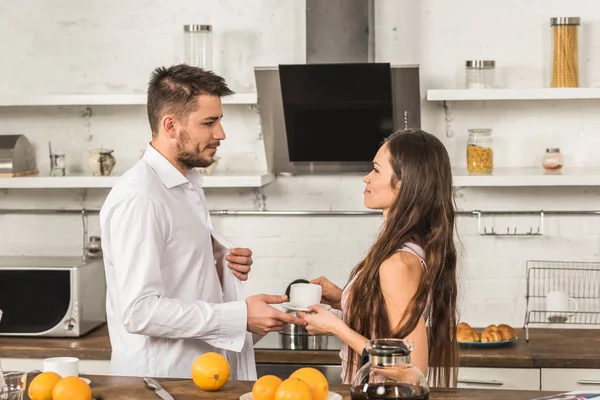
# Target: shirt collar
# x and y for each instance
(167, 172)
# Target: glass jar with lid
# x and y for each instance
(565, 54)
(480, 74)
(197, 45)
(389, 373)
(552, 160)
(480, 152)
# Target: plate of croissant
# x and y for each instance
(492, 336)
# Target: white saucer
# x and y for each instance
(292, 307)
(330, 396)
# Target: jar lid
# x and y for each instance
(480, 63)
(480, 132)
(553, 150)
(197, 28)
(565, 21)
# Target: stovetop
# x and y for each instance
(275, 341)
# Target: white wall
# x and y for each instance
(105, 47)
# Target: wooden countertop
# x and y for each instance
(131, 388)
(95, 345)
(547, 348)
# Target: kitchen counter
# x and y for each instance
(547, 348)
(95, 345)
(130, 388)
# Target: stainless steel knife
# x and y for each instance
(154, 385)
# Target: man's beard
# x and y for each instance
(190, 159)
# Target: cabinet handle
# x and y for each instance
(588, 382)
(478, 382)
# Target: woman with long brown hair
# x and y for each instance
(406, 286)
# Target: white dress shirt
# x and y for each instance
(170, 295)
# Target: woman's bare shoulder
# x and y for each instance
(400, 266)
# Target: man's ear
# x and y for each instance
(168, 124)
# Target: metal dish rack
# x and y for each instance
(580, 280)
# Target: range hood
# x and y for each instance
(331, 114)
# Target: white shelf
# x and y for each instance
(529, 177)
(106, 182)
(501, 177)
(513, 94)
(101, 99)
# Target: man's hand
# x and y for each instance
(262, 318)
(240, 261)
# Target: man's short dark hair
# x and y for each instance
(174, 90)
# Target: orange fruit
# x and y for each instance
(210, 371)
(42, 385)
(319, 387)
(71, 388)
(264, 388)
(293, 389)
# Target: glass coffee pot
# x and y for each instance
(388, 373)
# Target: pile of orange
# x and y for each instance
(51, 386)
(303, 384)
(211, 372)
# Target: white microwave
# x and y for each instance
(51, 296)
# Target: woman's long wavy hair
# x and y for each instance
(424, 213)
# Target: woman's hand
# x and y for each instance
(321, 321)
(332, 295)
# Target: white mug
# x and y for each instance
(305, 294)
(557, 304)
(64, 366)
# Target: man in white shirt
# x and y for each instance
(174, 285)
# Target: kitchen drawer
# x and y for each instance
(568, 379)
(499, 378)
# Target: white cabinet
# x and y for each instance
(499, 378)
(569, 379)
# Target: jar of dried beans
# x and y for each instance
(480, 152)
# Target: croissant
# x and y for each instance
(465, 335)
(507, 332)
(489, 336)
(463, 325)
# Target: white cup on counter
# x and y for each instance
(560, 306)
(63, 366)
(305, 294)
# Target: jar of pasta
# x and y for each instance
(565, 54)
(480, 153)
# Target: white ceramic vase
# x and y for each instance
(101, 161)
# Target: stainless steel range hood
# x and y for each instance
(330, 114)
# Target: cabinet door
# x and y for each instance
(499, 378)
(569, 379)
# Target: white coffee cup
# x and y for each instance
(64, 366)
(558, 304)
(305, 294)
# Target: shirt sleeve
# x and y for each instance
(138, 231)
